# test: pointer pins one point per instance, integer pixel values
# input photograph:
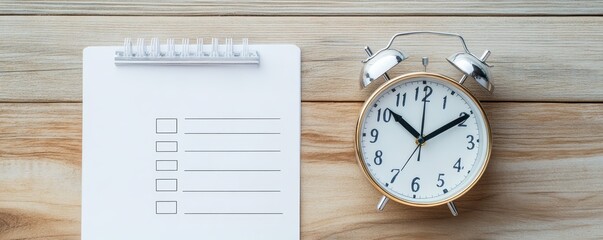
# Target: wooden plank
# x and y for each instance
(543, 180)
(534, 58)
(311, 7)
(40, 171)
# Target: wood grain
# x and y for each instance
(535, 59)
(543, 180)
(40, 171)
(309, 7)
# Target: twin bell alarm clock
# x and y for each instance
(422, 139)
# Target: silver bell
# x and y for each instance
(380, 64)
(474, 67)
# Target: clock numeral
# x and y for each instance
(378, 160)
(472, 144)
(375, 135)
(395, 175)
(440, 180)
(457, 165)
(428, 91)
(387, 115)
(444, 105)
(398, 99)
(462, 124)
(414, 185)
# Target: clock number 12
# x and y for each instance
(428, 91)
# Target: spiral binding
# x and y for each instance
(186, 53)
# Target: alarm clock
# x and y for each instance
(422, 139)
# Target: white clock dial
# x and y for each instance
(423, 140)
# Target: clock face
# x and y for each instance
(422, 139)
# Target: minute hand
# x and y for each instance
(442, 129)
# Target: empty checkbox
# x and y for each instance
(166, 207)
(166, 125)
(166, 146)
(166, 165)
(166, 185)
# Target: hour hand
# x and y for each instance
(405, 124)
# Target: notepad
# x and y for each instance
(191, 141)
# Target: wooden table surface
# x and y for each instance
(545, 178)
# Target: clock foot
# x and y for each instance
(382, 203)
(452, 208)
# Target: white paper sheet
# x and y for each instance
(191, 152)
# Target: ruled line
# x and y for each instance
(235, 213)
(226, 150)
(235, 133)
(233, 191)
(232, 170)
(233, 118)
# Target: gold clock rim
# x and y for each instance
(384, 87)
